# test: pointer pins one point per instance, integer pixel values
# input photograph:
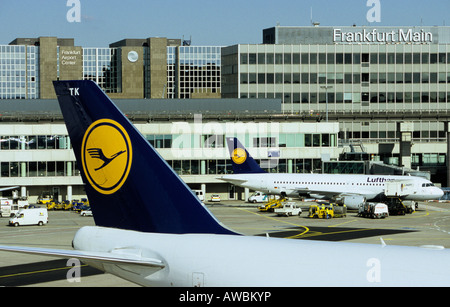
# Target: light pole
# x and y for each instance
(326, 87)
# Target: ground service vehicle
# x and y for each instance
(67, 205)
(199, 194)
(52, 205)
(373, 210)
(45, 198)
(86, 212)
(257, 197)
(340, 211)
(321, 211)
(272, 205)
(397, 206)
(289, 209)
(164, 235)
(35, 216)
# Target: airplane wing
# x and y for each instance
(330, 193)
(117, 256)
(232, 180)
(9, 188)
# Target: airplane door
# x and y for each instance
(263, 184)
(198, 279)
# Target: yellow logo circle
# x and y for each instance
(106, 155)
(239, 156)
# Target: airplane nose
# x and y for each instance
(439, 193)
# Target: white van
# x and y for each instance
(257, 197)
(34, 216)
(199, 194)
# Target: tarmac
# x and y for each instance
(429, 225)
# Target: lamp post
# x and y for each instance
(326, 87)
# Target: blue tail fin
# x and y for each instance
(128, 184)
(241, 160)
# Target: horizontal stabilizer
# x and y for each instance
(112, 258)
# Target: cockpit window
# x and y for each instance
(427, 185)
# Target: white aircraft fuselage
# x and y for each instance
(369, 186)
(227, 260)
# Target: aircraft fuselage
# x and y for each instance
(369, 186)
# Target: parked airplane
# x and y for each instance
(351, 189)
(152, 230)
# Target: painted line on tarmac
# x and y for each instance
(278, 220)
(42, 271)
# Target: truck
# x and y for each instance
(9, 207)
(34, 216)
(373, 210)
(289, 209)
(399, 188)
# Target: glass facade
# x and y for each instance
(19, 72)
(190, 69)
(198, 70)
(207, 165)
(350, 78)
(38, 169)
(102, 66)
(171, 72)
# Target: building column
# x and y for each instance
(290, 168)
(246, 194)
(406, 129)
(203, 188)
(69, 168)
(23, 192)
(69, 193)
(203, 167)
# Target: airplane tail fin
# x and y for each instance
(129, 185)
(242, 161)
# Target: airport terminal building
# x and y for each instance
(299, 101)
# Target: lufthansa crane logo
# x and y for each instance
(239, 155)
(106, 154)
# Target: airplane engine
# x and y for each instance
(352, 201)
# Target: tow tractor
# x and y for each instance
(327, 211)
(321, 211)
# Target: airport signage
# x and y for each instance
(375, 36)
(70, 57)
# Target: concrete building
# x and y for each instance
(36, 152)
(127, 69)
(307, 93)
(370, 79)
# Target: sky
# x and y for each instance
(207, 22)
